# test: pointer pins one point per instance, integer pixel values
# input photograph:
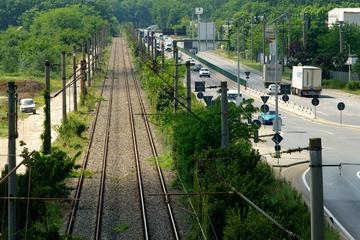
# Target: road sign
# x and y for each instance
(315, 101)
(257, 123)
(277, 138)
(285, 97)
(199, 86)
(207, 100)
(277, 148)
(264, 99)
(200, 95)
(341, 106)
(199, 11)
(264, 108)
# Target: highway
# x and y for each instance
(329, 99)
(340, 145)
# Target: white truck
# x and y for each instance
(306, 81)
(269, 74)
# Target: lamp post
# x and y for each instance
(238, 58)
(341, 42)
(349, 61)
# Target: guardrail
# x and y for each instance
(214, 67)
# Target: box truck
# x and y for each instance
(269, 74)
(306, 81)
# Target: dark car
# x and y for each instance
(196, 67)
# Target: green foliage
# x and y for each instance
(333, 84)
(47, 174)
(352, 85)
(196, 153)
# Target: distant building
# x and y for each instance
(344, 15)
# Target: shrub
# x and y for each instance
(353, 85)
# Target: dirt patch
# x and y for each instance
(25, 88)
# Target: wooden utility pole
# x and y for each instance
(89, 73)
(74, 80)
(83, 80)
(12, 215)
(63, 77)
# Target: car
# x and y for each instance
(193, 51)
(267, 118)
(27, 105)
(204, 72)
(191, 60)
(272, 89)
(196, 67)
(232, 96)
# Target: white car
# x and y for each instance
(27, 105)
(272, 89)
(204, 72)
(232, 96)
(191, 60)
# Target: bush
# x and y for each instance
(353, 85)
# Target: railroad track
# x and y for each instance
(101, 134)
(75, 204)
(167, 200)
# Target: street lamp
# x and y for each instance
(238, 58)
(349, 62)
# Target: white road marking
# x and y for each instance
(327, 210)
(328, 132)
(358, 174)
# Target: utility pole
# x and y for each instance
(95, 50)
(289, 36)
(277, 150)
(317, 194)
(283, 45)
(263, 43)
(93, 58)
(305, 31)
(89, 74)
(238, 57)
(224, 116)
(82, 81)
(74, 80)
(349, 77)
(162, 56)
(12, 215)
(188, 85)
(341, 36)
(47, 122)
(176, 77)
(152, 46)
(63, 77)
(252, 39)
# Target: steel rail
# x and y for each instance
(100, 206)
(136, 151)
(74, 207)
(155, 155)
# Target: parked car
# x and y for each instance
(204, 72)
(267, 118)
(271, 90)
(27, 105)
(196, 67)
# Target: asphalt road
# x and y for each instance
(340, 145)
(329, 99)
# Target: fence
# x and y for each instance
(344, 76)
